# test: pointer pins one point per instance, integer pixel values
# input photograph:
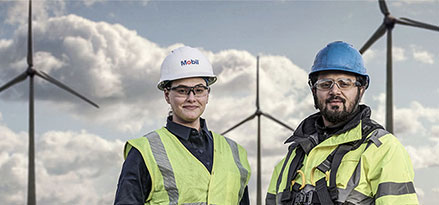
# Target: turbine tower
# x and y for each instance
(258, 114)
(387, 26)
(31, 72)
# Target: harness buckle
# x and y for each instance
(303, 198)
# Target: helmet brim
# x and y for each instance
(210, 81)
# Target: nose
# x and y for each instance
(191, 95)
(335, 88)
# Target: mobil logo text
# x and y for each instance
(190, 62)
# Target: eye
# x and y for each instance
(199, 90)
(325, 84)
(181, 90)
(344, 83)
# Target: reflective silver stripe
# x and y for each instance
(160, 156)
(393, 188)
(344, 194)
(356, 197)
(242, 171)
(196, 203)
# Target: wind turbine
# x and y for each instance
(387, 26)
(31, 72)
(258, 114)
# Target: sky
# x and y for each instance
(111, 51)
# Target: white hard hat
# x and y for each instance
(185, 62)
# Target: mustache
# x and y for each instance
(335, 98)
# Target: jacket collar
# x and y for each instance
(184, 132)
(313, 124)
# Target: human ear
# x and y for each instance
(166, 94)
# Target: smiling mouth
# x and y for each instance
(190, 107)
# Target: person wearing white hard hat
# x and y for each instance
(184, 162)
(339, 155)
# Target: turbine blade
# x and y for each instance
(30, 61)
(242, 122)
(278, 121)
(45, 76)
(16, 80)
(378, 34)
(383, 7)
(410, 22)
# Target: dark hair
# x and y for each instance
(167, 85)
(362, 80)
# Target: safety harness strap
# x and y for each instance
(296, 164)
(341, 151)
(279, 179)
(302, 146)
(322, 192)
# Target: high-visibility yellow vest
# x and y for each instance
(178, 177)
(380, 174)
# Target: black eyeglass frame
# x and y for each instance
(191, 89)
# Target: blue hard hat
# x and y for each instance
(339, 56)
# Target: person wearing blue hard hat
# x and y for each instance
(339, 155)
(184, 162)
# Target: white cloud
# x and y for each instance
(416, 112)
(379, 113)
(401, 2)
(398, 54)
(424, 156)
(71, 167)
(435, 131)
(92, 2)
(414, 120)
(423, 56)
(369, 55)
(41, 10)
(119, 70)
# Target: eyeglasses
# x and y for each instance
(342, 83)
(184, 91)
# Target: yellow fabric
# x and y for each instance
(193, 180)
(386, 163)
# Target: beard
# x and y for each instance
(336, 116)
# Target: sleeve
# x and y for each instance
(245, 199)
(270, 199)
(390, 173)
(134, 183)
